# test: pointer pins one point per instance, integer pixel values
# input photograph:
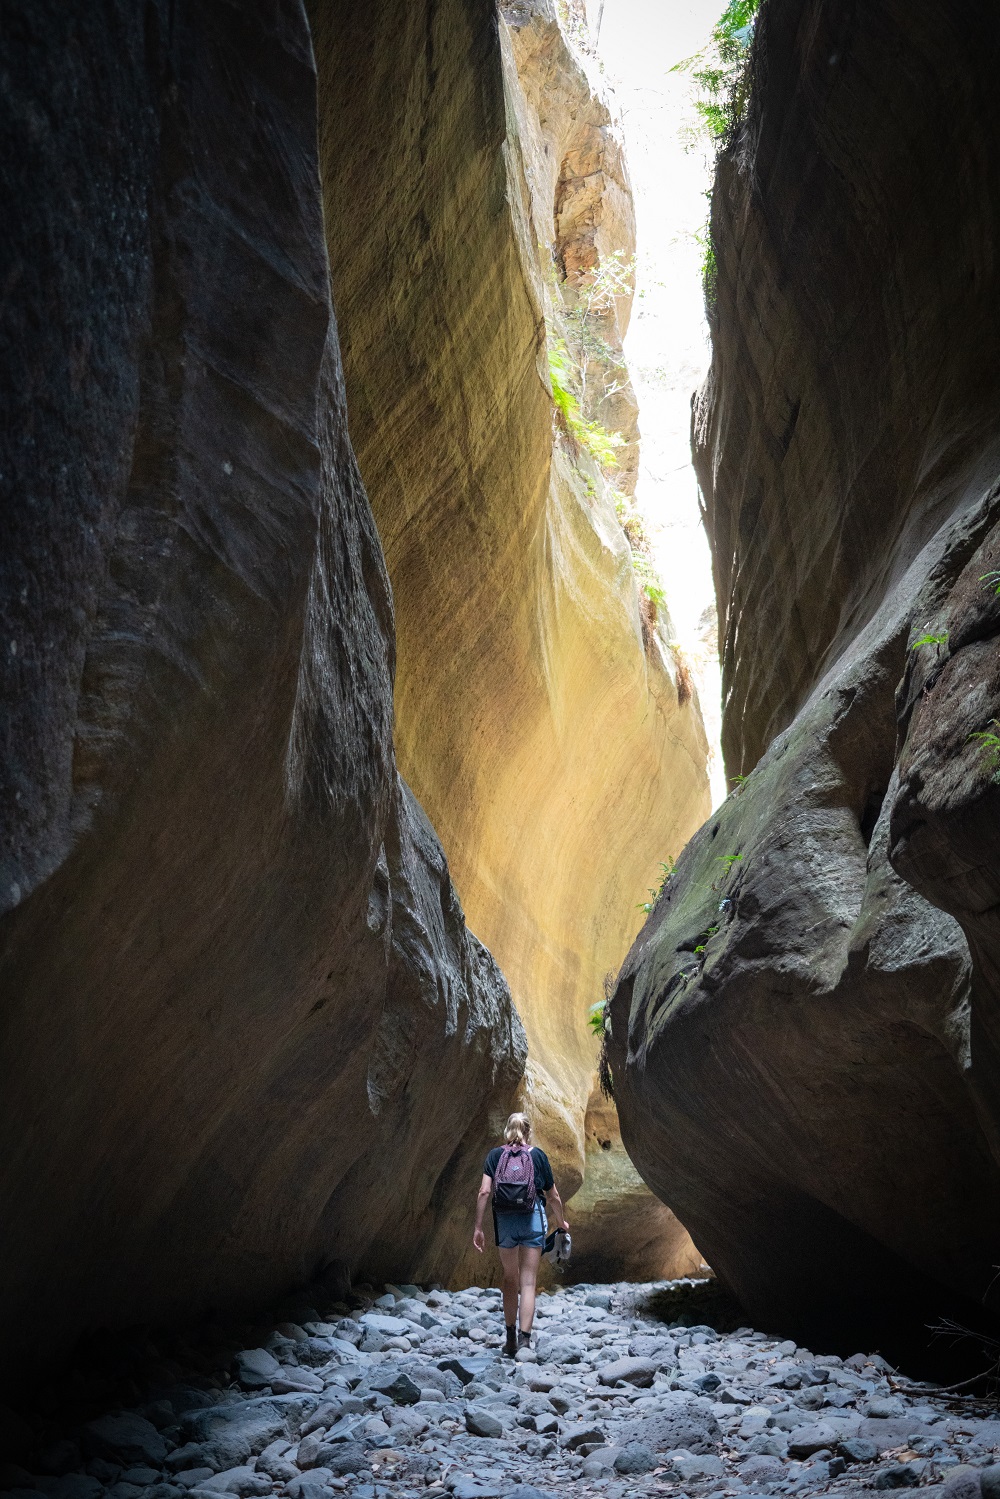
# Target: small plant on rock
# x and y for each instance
(596, 440)
(994, 579)
(929, 640)
(599, 1020)
(989, 742)
(668, 867)
(705, 939)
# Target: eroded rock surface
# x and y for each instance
(803, 1049)
(470, 175)
(408, 1394)
(245, 1031)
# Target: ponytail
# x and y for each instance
(517, 1130)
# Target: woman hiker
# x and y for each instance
(517, 1176)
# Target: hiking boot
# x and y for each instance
(523, 1339)
(512, 1342)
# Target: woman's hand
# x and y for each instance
(479, 1240)
(564, 1226)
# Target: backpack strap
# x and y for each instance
(504, 1156)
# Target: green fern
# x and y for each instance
(929, 640)
(720, 72)
(990, 745)
(669, 868)
(591, 436)
(706, 937)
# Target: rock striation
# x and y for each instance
(246, 1034)
(804, 1036)
(540, 716)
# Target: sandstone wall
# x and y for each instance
(804, 1033)
(245, 1033)
(538, 712)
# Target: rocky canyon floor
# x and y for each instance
(404, 1392)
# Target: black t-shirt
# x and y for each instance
(540, 1161)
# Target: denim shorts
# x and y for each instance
(522, 1230)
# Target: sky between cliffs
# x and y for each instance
(667, 344)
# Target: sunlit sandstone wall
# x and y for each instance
(538, 718)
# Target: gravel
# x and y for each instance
(409, 1396)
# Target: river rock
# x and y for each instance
(129, 1438)
(634, 1371)
(803, 1441)
(347, 1457)
(635, 1458)
(242, 1480)
(254, 1367)
(467, 1368)
(885, 1408)
(898, 1476)
(680, 1422)
(289, 1381)
(858, 1449)
(581, 1434)
(689, 1468)
(328, 1413)
(482, 1422)
(477, 1488)
(397, 1384)
(389, 1326)
(649, 1345)
(314, 1485)
(560, 1350)
(761, 1470)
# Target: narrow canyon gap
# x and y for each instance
(474, 183)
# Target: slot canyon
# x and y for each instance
(359, 769)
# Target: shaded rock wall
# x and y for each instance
(804, 1051)
(245, 1033)
(538, 717)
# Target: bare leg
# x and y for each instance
(530, 1259)
(508, 1259)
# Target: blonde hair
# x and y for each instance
(517, 1130)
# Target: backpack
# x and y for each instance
(514, 1181)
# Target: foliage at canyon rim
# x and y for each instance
(720, 72)
(719, 69)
